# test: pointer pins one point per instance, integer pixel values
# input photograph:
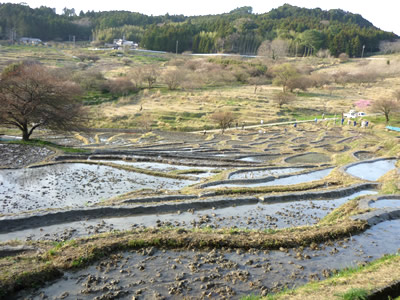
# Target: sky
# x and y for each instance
(383, 14)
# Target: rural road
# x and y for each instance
(277, 124)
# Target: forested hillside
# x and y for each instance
(300, 31)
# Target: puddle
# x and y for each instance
(385, 203)
(71, 185)
(256, 216)
(364, 155)
(307, 158)
(160, 274)
(263, 173)
(372, 170)
(295, 179)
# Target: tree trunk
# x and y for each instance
(387, 117)
(25, 134)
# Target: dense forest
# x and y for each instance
(303, 31)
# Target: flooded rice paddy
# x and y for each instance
(260, 216)
(164, 274)
(308, 158)
(260, 173)
(72, 185)
(372, 170)
(385, 203)
(289, 180)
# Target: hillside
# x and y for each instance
(305, 31)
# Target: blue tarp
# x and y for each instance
(393, 128)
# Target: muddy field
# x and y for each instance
(246, 181)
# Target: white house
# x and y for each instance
(28, 40)
(123, 42)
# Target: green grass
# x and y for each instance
(35, 142)
(355, 294)
(96, 97)
(251, 297)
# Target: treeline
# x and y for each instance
(305, 31)
(22, 21)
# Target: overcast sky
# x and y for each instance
(383, 14)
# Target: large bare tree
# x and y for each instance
(223, 118)
(33, 96)
(385, 106)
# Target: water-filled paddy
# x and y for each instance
(372, 170)
(72, 185)
(385, 203)
(152, 273)
(294, 179)
(259, 216)
(263, 173)
(308, 158)
(162, 167)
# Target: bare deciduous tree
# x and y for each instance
(300, 83)
(274, 49)
(33, 96)
(283, 73)
(223, 118)
(150, 75)
(121, 86)
(144, 121)
(173, 78)
(283, 98)
(396, 95)
(385, 106)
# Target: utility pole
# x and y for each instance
(177, 43)
(362, 53)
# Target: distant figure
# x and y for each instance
(262, 122)
(316, 120)
(243, 126)
(349, 122)
(366, 123)
(295, 125)
(355, 123)
(237, 124)
(141, 107)
(362, 124)
(323, 116)
(204, 132)
(342, 120)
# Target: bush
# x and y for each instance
(121, 86)
(343, 57)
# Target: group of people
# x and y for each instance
(363, 123)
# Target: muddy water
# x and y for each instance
(155, 166)
(71, 185)
(264, 173)
(372, 170)
(160, 274)
(260, 158)
(315, 158)
(163, 167)
(385, 203)
(257, 216)
(295, 179)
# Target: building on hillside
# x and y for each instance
(122, 42)
(32, 41)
